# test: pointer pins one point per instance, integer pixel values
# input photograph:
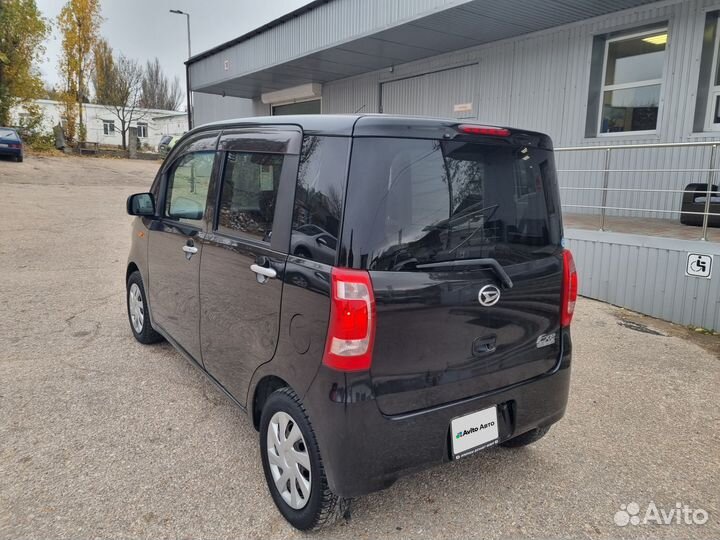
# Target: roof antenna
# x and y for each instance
(360, 109)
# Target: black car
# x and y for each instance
(11, 144)
(440, 327)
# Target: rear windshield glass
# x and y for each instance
(415, 201)
(8, 134)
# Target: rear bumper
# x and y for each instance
(14, 152)
(364, 450)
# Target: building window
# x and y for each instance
(712, 117)
(109, 127)
(631, 82)
(142, 130)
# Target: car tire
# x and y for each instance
(19, 159)
(138, 314)
(526, 438)
(317, 508)
(303, 252)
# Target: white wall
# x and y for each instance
(159, 122)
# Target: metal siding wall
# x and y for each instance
(358, 94)
(433, 94)
(647, 275)
(329, 24)
(540, 81)
(210, 108)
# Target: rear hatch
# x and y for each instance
(436, 222)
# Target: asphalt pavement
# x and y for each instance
(103, 437)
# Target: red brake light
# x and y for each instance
(351, 331)
(484, 130)
(569, 289)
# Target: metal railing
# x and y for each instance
(607, 172)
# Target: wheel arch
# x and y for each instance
(131, 267)
(265, 386)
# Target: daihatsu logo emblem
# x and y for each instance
(489, 295)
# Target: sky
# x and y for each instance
(144, 29)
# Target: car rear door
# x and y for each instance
(245, 252)
(463, 243)
(174, 251)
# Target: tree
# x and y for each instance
(158, 92)
(124, 94)
(104, 72)
(22, 31)
(78, 21)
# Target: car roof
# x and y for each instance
(363, 125)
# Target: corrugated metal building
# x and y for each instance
(591, 74)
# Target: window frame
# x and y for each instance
(713, 91)
(108, 131)
(146, 130)
(639, 84)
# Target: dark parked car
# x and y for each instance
(440, 326)
(11, 144)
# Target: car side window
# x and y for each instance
(319, 198)
(187, 187)
(249, 192)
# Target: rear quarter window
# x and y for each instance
(319, 198)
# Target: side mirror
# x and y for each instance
(322, 241)
(141, 204)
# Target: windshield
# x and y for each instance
(413, 202)
(8, 134)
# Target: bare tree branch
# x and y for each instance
(158, 92)
(124, 94)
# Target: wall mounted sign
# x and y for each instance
(699, 265)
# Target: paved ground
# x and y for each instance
(102, 437)
(671, 228)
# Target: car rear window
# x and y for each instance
(415, 201)
(8, 134)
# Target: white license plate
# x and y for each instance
(3, 145)
(474, 431)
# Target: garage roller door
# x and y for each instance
(450, 92)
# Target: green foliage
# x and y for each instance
(22, 32)
(42, 142)
(104, 72)
(31, 129)
(79, 21)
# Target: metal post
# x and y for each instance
(606, 181)
(188, 28)
(187, 68)
(708, 195)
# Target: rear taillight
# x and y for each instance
(351, 331)
(14, 145)
(484, 130)
(569, 289)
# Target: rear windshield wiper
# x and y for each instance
(468, 213)
(489, 263)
